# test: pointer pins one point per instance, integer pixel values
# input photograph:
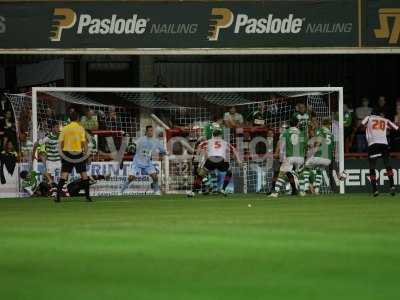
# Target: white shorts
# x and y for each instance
(317, 162)
(53, 168)
(139, 170)
(291, 164)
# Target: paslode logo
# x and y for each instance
(245, 24)
(384, 31)
(221, 18)
(63, 18)
(2, 24)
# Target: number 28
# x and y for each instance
(378, 125)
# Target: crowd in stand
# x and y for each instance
(355, 141)
(8, 135)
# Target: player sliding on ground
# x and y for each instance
(376, 127)
(293, 141)
(217, 153)
(142, 162)
(321, 157)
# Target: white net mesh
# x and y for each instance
(127, 113)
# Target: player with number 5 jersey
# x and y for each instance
(376, 127)
(217, 152)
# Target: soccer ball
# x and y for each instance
(189, 194)
(343, 176)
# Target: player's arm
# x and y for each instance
(235, 154)
(229, 122)
(85, 148)
(84, 142)
(202, 148)
(392, 125)
(35, 146)
(364, 123)
(161, 150)
(61, 140)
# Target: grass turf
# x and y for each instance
(331, 247)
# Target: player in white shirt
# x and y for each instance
(376, 127)
(217, 152)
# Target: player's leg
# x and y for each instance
(322, 164)
(66, 168)
(297, 162)
(48, 177)
(133, 172)
(197, 180)
(286, 167)
(61, 182)
(152, 172)
(224, 167)
(155, 185)
(81, 168)
(292, 176)
(305, 179)
(276, 166)
(53, 169)
(204, 172)
(318, 179)
(389, 170)
(214, 180)
(310, 174)
(372, 158)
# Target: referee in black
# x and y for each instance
(74, 152)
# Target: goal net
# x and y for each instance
(180, 117)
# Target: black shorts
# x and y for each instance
(73, 161)
(378, 151)
(216, 163)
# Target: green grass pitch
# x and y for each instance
(330, 247)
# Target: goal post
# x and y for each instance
(197, 114)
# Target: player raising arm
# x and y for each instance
(217, 157)
(142, 162)
(376, 127)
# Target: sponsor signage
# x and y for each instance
(382, 23)
(201, 25)
(357, 180)
(358, 175)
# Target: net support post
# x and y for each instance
(245, 168)
(34, 124)
(341, 140)
(165, 176)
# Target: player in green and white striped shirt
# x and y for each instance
(293, 142)
(320, 158)
(48, 147)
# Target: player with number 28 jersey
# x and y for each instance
(376, 127)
